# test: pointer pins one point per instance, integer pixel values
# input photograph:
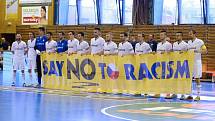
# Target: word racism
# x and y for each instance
(158, 70)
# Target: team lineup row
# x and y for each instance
(99, 46)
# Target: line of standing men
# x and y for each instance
(98, 46)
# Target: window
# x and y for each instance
(72, 14)
(109, 12)
(128, 12)
(211, 13)
(165, 12)
(170, 12)
(191, 12)
(88, 12)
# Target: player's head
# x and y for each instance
(109, 36)
(18, 36)
(123, 36)
(43, 12)
(49, 35)
(41, 31)
(61, 35)
(151, 36)
(140, 36)
(80, 36)
(162, 35)
(179, 36)
(192, 34)
(96, 32)
(31, 35)
(71, 35)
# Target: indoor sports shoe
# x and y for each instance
(197, 98)
(174, 96)
(13, 84)
(24, 84)
(38, 86)
(168, 96)
(156, 96)
(189, 98)
(182, 97)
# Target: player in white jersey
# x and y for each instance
(110, 47)
(198, 46)
(72, 43)
(163, 46)
(51, 45)
(142, 47)
(125, 48)
(180, 46)
(97, 43)
(31, 54)
(83, 46)
(19, 49)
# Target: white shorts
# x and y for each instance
(32, 64)
(197, 69)
(19, 64)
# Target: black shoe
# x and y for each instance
(24, 84)
(189, 98)
(13, 84)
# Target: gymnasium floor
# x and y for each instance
(30, 104)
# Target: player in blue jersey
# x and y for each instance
(62, 44)
(40, 47)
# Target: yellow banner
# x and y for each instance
(133, 74)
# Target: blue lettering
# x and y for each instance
(181, 69)
(102, 66)
(129, 71)
(144, 72)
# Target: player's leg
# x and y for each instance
(15, 67)
(39, 73)
(197, 77)
(22, 67)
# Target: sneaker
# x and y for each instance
(13, 84)
(182, 97)
(38, 86)
(24, 84)
(174, 96)
(168, 96)
(189, 98)
(156, 96)
(197, 98)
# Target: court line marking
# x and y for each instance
(118, 117)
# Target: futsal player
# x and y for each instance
(125, 47)
(110, 47)
(40, 47)
(62, 44)
(51, 45)
(142, 47)
(19, 50)
(83, 47)
(31, 55)
(72, 43)
(198, 46)
(97, 43)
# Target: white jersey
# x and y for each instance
(83, 47)
(51, 46)
(182, 46)
(142, 48)
(97, 45)
(125, 48)
(110, 48)
(164, 47)
(197, 44)
(72, 45)
(31, 51)
(19, 50)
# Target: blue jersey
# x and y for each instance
(40, 43)
(62, 46)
